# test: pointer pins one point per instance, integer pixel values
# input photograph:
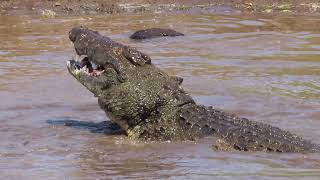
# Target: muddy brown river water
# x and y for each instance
(260, 67)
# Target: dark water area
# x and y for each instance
(260, 67)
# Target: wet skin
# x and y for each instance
(154, 32)
(151, 105)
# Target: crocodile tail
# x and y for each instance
(241, 134)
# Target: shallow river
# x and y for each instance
(264, 68)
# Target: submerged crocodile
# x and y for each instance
(154, 32)
(151, 105)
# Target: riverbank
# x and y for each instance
(52, 8)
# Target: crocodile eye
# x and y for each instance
(135, 57)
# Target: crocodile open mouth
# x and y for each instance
(82, 64)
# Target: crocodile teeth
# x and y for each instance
(77, 71)
(85, 69)
(76, 58)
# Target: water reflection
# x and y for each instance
(264, 68)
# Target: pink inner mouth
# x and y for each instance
(96, 73)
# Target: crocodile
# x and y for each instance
(154, 32)
(150, 105)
